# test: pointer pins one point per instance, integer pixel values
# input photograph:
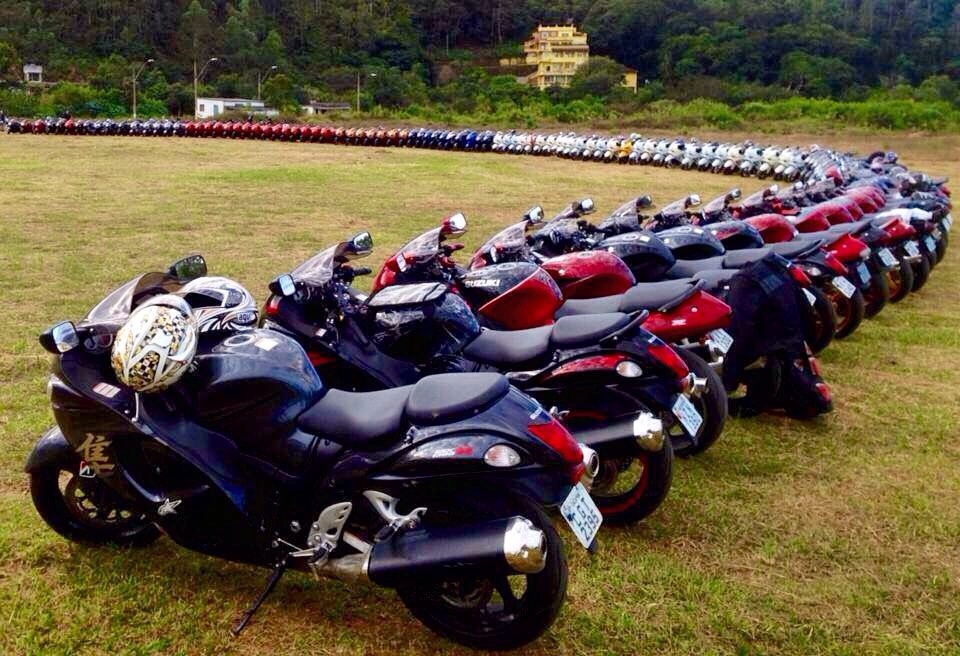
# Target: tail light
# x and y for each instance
(799, 276)
(272, 306)
(824, 391)
(665, 355)
(835, 264)
(553, 434)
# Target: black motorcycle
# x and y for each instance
(614, 382)
(434, 489)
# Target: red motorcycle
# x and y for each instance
(509, 290)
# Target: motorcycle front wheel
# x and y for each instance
(87, 510)
(495, 613)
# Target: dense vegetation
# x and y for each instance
(880, 62)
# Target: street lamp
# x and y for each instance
(358, 89)
(263, 78)
(196, 80)
(136, 74)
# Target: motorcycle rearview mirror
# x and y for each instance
(454, 225)
(586, 205)
(189, 268)
(734, 194)
(534, 215)
(644, 201)
(692, 200)
(60, 338)
(283, 285)
(360, 244)
(771, 190)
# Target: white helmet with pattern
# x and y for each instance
(220, 304)
(153, 349)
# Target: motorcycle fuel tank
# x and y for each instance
(589, 274)
(512, 295)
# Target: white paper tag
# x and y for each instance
(687, 414)
(888, 258)
(582, 515)
(844, 286)
(721, 339)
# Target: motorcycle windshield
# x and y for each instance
(716, 206)
(318, 270)
(424, 247)
(510, 239)
(117, 305)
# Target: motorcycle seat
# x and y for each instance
(688, 268)
(799, 247)
(851, 228)
(642, 296)
(511, 347)
(717, 279)
(741, 258)
(369, 420)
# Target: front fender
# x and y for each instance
(51, 449)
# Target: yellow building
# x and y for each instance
(557, 51)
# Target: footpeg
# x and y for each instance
(386, 507)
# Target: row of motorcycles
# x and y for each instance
(417, 436)
(744, 158)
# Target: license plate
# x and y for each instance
(844, 286)
(811, 299)
(937, 234)
(912, 248)
(687, 414)
(864, 273)
(888, 258)
(582, 515)
(721, 339)
(948, 222)
(929, 243)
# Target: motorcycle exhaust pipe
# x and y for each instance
(644, 430)
(503, 546)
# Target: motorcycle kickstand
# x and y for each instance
(272, 581)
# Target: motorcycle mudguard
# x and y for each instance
(51, 449)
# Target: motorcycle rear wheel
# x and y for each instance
(849, 311)
(504, 612)
(900, 281)
(711, 404)
(820, 323)
(877, 296)
(87, 510)
(921, 272)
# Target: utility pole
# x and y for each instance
(196, 80)
(358, 89)
(136, 74)
(265, 76)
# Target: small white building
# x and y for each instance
(33, 73)
(315, 108)
(213, 107)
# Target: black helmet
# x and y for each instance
(691, 243)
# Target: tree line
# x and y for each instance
(729, 51)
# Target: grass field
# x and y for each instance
(838, 536)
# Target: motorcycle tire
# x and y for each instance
(900, 281)
(452, 607)
(711, 404)
(942, 245)
(849, 311)
(877, 296)
(820, 323)
(86, 510)
(643, 497)
(921, 272)
(759, 386)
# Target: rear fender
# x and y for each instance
(696, 315)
